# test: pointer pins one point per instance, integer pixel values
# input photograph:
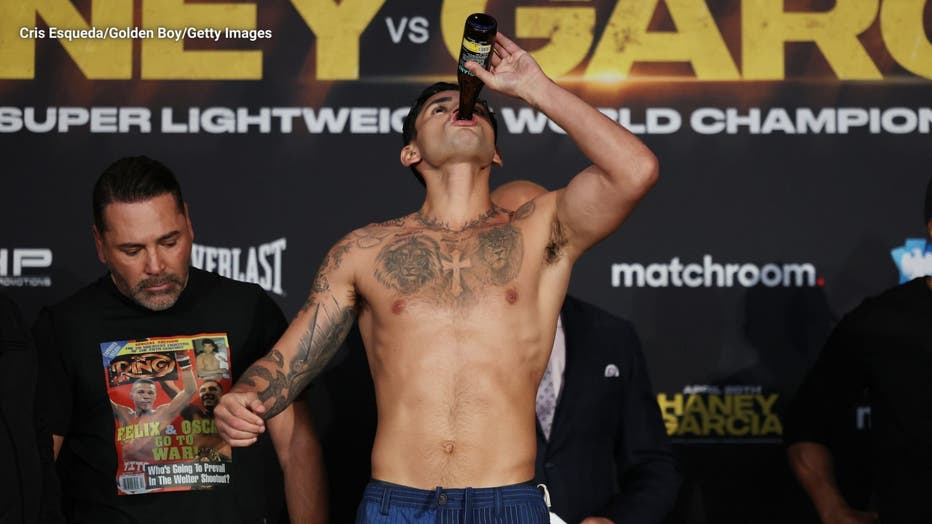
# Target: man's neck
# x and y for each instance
(457, 198)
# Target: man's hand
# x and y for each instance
(514, 72)
(238, 420)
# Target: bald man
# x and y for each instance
(631, 449)
(514, 194)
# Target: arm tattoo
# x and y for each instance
(331, 262)
(501, 250)
(320, 285)
(320, 342)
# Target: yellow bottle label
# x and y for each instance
(476, 47)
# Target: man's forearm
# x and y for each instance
(813, 465)
(277, 380)
(299, 454)
(188, 381)
(617, 152)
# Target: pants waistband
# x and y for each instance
(387, 494)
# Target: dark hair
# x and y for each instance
(929, 201)
(409, 131)
(133, 179)
(142, 382)
(211, 342)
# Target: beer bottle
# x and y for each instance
(478, 37)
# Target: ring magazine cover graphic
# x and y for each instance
(163, 392)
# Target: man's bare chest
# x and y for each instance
(449, 268)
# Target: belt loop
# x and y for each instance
(498, 502)
(386, 500)
(467, 506)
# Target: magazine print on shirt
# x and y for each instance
(163, 392)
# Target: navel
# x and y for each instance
(511, 295)
(398, 306)
(448, 446)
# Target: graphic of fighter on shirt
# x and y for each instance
(143, 422)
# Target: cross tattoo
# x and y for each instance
(455, 264)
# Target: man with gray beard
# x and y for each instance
(153, 302)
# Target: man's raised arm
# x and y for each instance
(600, 197)
(310, 341)
(183, 398)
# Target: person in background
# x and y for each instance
(143, 236)
(602, 448)
(883, 346)
(28, 485)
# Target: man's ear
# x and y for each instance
(497, 158)
(187, 218)
(99, 244)
(410, 155)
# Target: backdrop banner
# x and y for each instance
(793, 140)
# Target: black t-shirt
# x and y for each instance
(69, 337)
(885, 347)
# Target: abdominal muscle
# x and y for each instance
(455, 408)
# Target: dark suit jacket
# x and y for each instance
(28, 486)
(608, 453)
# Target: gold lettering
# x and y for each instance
(690, 425)
(904, 35)
(765, 28)
(626, 40)
(714, 424)
(696, 404)
(739, 425)
(666, 404)
(766, 402)
(671, 422)
(96, 58)
(165, 58)
(743, 405)
(771, 425)
(720, 404)
(337, 27)
(569, 30)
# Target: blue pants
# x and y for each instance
(385, 503)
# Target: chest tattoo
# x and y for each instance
(454, 271)
(409, 264)
(455, 264)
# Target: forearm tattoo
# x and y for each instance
(321, 340)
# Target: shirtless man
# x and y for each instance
(142, 416)
(208, 362)
(457, 304)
